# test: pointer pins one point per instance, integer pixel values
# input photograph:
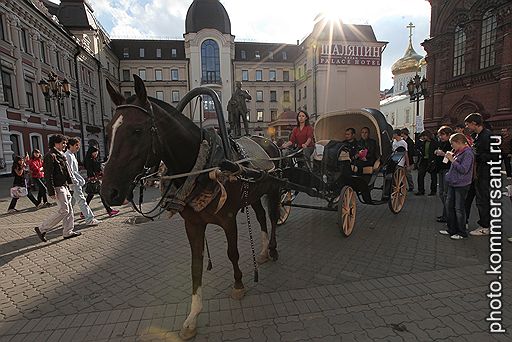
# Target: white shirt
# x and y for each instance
(396, 145)
(76, 177)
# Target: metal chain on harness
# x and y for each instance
(245, 196)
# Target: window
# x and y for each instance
(286, 96)
(273, 96)
(175, 96)
(126, 53)
(210, 62)
(487, 51)
(459, 65)
(47, 104)
(259, 75)
(158, 53)
(36, 142)
(243, 54)
(158, 74)
(300, 95)
(160, 95)
(272, 75)
(141, 52)
(126, 74)
(23, 40)
(273, 115)
(174, 75)
(259, 95)
(286, 76)
(71, 66)
(7, 88)
(43, 51)
(142, 74)
(173, 53)
(93, 115)
(257, 55)
(284, 55)
(86, 116)
(73, 109)
(305, 89)
(259, 115)
(407, 115)
(305, 69)
(127, 94)
(245, 75)
(57, 58)
(30, 94)
(16, 145)
(2, 32)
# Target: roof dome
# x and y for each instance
(207, 14)
(408, 63)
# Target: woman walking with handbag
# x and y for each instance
(35, 162)
(94, 174)
(19, 186)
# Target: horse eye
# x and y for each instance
(138, 131)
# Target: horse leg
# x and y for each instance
(195, 234)
(231, 232)
(273, 198)
(262, 219)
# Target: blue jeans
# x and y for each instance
(456, 210)
(79, 198)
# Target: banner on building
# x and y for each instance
(350, 54)
(419, 124)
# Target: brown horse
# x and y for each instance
(144, 131)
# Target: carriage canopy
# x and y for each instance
(332, 126)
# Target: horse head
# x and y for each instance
(131, 134)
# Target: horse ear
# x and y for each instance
(115, 96)
(140, 89)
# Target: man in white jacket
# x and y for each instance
(78, 182)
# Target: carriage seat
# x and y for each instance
(318, 153)
(368, 170)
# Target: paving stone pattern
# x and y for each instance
(394, 279)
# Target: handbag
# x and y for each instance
(93, 187)
(432, 166)
(19, 191)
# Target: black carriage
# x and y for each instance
(338, 181)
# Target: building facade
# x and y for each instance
(469, 56)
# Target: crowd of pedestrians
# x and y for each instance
(57, 176)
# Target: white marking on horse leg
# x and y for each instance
(115, 126)
(264, 243)
(195, 310)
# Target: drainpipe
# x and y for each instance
(79, 98)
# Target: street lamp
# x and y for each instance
(56, 89)
(417, 88)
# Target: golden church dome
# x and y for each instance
(410, 62)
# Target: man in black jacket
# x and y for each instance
(482, 148)
(426, 147)
(443, 165)
(411, 148)
(57, 176)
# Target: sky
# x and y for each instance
(276, 21)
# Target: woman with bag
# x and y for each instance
(19, 186)
(35, 162)
(94, 174)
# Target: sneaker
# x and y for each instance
(479, 232)
(82, 216)
(72, 235)
(48, 204)
(12, 211)
(113, 213)
(444, 232)
(93, 222)
(457, 237)
(40, 234)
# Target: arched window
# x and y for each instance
(487, 52)
(210, 62)
(459, 48)
(17, 144)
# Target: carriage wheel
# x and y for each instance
(347, 210)
(398, 191)
(284, 210)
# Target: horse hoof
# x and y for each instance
(187, 333)
(262, 258)
(274, 254)
(238, 293)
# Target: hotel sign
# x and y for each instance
(350, 54)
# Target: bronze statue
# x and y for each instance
(238, 108)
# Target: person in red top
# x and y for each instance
(302, 136)
(36, 168)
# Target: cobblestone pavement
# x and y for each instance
(394, 279)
